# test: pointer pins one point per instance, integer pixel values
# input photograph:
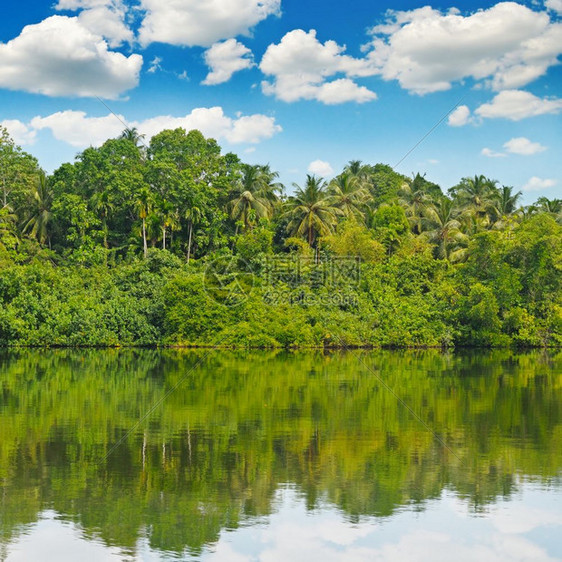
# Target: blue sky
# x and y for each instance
(304, 85)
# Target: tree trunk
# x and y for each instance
(163, 237)
(144, 238)
(5, 193)
(189, 240)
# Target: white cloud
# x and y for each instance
(202, 23)
(154, 65)
(20, 132)
(252, 129)
(102, 17)
(226, 58)
(61, 57)
(80, 130)
(300, 66)
(538, 184)
(523, 146)
(343, 90)
(492, 154)
(517, 104)
(554, 5)
(509, 45)
(320, 168)
(459, 117)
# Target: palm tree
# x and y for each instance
(143, 204)
(505, 205)
(506, 200)
(443, 227)
(310, 210)
(132, 134)
(193, 214)
(37, 223)
(551, 206)
(349, 194)
(415, 201)
(255, 195)
(168, 215)
(476, 196)
(103, 205)
(357, 169)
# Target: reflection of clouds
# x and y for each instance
(524, 519)
(53, 540)
(417, 546)
(444, 531)
(224, 551)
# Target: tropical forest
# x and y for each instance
(171, 242)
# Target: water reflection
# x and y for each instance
(307, 442)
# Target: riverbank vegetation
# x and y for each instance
(172, 242)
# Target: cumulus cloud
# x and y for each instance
(523, 146)
(554, 5)
(507, 46)
(226, 58)
(193, 22)
(488, 152)
(20, 132)
(343, 90)
(61, 57)
(459, 117)
(300, 66)
(79, 130)
(212, 122)
(252, 129)
(320, 168)
(518, 104)
(538, 184)
(102, 17)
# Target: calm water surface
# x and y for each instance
(152, 456)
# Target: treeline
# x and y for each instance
(173, 242)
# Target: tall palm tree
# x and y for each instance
(255, 195)
(310, 210)
(193, 214)
(37, 222)
(349, 194)
(505, 206)
(132, 134)
(415, 201)
(357, 169)
(102, 203)
(143, 204)
(168, 215)
(443, 227)
(476, 196)
(551, 206)
(506, 200)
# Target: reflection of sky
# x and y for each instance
(526, 527)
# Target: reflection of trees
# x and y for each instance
(214, 452)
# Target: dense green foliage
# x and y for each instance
(227, 430)
(174, 243)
